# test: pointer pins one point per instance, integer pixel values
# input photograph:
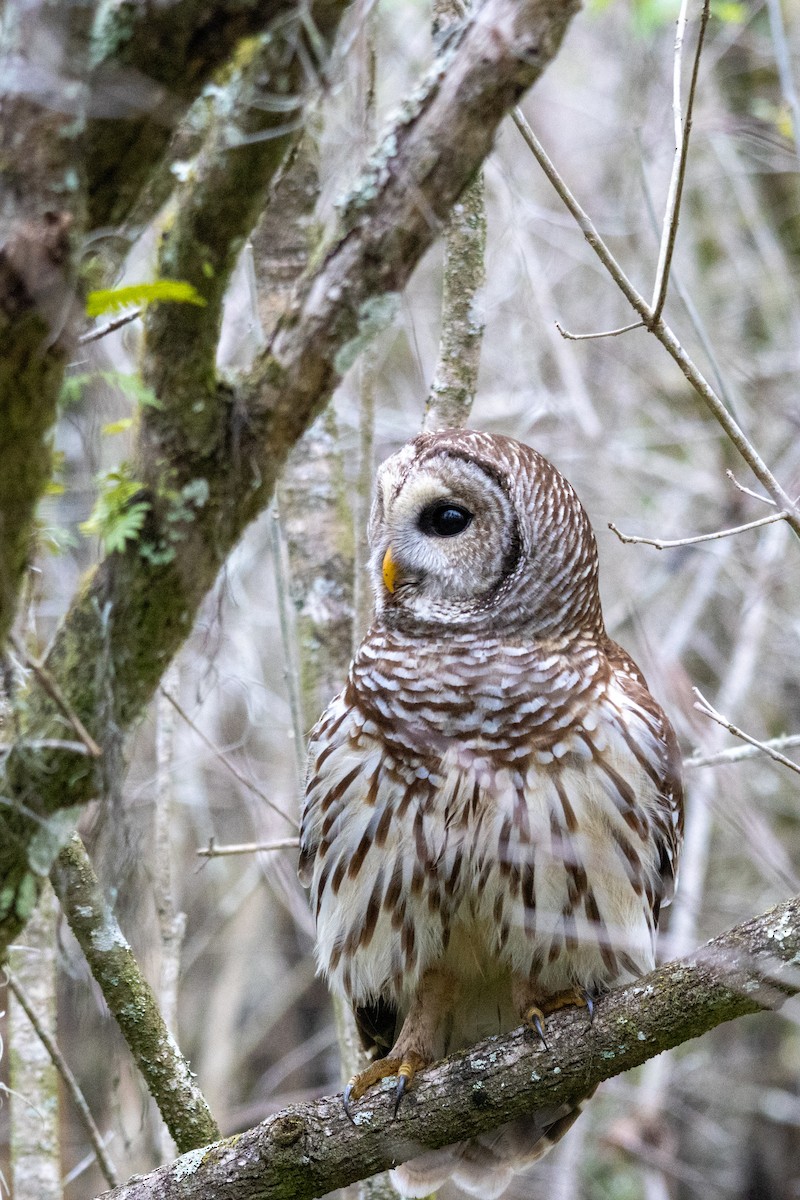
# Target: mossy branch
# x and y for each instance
(161, 57)
(259, 119)
(311, 1149)
(130, 999)
(135, 610)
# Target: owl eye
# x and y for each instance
(444, 519)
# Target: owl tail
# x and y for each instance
(484, 1166)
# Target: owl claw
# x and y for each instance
(534, 1019)
(534, 1016)
(346, 1096)
(399, 1092)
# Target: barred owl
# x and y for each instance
(493, 810)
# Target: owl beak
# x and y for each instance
(389, 571)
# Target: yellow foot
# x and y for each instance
(534, 1017)
(404, 1068)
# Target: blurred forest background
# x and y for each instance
(227, 940)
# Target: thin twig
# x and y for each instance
(35, 1127)
(683, 131)
(94, 335)
(212, 850)
(740, 753)
(591, 337)
(748, 491)
(660, 544)
(686, 299)
(707, 709)
(226, 762)
(70, 1082)
(54, 692)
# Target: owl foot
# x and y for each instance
(577, 997)
(534, 1016)
(404, 1068)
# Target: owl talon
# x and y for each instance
(346, 1097)
(534, 1019)
(400, 1091)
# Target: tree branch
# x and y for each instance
(130, 999)
(311, 1149)
(258, 120)
(150, 61)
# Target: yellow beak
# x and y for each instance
(389, 571)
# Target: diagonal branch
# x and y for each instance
(130, 999)
(311, 1149)
(256, 122)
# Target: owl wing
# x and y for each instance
(376, 1021)
(322, 740)
(652, 740)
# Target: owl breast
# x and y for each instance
(505, 820)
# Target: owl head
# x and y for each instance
(474, 531)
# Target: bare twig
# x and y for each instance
(688, 303)
(707, 709)
(455, 379)
(661, 544)
(226, 762)
(740, 753)
(748, 491)
(683, 129)
(54, 692)
(212, 850)
(288, 638)
(69, 1080)
(591, 337)
(94, 335)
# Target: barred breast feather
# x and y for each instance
(516, 815)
